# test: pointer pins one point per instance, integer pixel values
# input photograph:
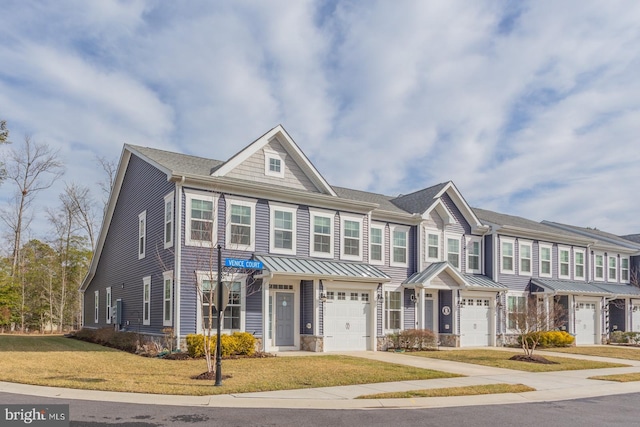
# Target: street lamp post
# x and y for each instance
(218, 342)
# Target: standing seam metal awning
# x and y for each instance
(568, 286)
(322, 268)
(471, 281)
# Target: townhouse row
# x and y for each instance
(339, 268)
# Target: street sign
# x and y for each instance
(243, 263)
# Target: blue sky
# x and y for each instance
(532, 108)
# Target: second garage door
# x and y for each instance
(347, 320)
(475, 322)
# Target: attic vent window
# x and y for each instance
(273, 164)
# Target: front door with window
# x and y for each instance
(284, 319)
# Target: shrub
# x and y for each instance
(237, 344)
(549, 338)
(108, 337)
(620, 337)
(413, 339)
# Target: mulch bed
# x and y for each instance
(532, 359)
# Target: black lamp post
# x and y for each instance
(218, 344)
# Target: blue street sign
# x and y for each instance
(243, 263)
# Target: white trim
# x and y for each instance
(512, 242)
(352, 218)
(528, 244)
(438, 234)
(506, 311)
(378, 226)
(142, 234)
(575, 264)
(470, 240)
(293, 210)
(268, 156)
(386, 291)
(146, 300)
(244, 202)
(540, 260)
(96, 306)
(167, 276)
(109, 304)
(401, 229)
(168, 220)
(560, 263)
(331, 215)
(191, 195)
(226, 278)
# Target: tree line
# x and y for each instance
(40, 275)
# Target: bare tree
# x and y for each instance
(4, 132)
(32, 167)
(110, 168)
(77, 199)
(536, 318)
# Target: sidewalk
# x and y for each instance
(550, 386)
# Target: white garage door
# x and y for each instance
(585, 323)
(347, 320)
(475, 322)
(635, 316)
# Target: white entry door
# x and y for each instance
(635, 316)
(585, 322)
(475, 322)
(347, 320)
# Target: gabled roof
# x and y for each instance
(292, 149)
(602, 237)
(383, 201)
(511, 224)
(419, 201)
(176, 163)
(632, 237)
(471, 281)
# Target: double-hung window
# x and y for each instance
(598, 262)
(146, 300)
(433, 246)
(453, 251)
(506, 258)
(376, 242)
(232, 316)
(545, 260)
(351, 236)
(109, 302)
(283, 228)
(563, 263)
(240, 228)
(613, 268)
(392, 310)
(142, 234)
(201, 214)
(167, 298)
(321, 244)
(168, 220)
(624, 270)
(516, 306)
(399, 241)
(474, 257)
(525, 253)
(578, 264)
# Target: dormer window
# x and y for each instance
(273, 164)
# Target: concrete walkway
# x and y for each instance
(550, 386)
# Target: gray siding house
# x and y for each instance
(342, 268)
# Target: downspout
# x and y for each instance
(177, 264)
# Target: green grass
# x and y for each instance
(453, 391)
(617, 352)
(500, 359)
(64, 362)
(621, 378)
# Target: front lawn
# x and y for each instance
(65, 362)
(500, 359)
(617, 352)
(472, 390)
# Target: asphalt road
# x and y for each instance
(620, 410)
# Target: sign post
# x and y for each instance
(219, 310)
